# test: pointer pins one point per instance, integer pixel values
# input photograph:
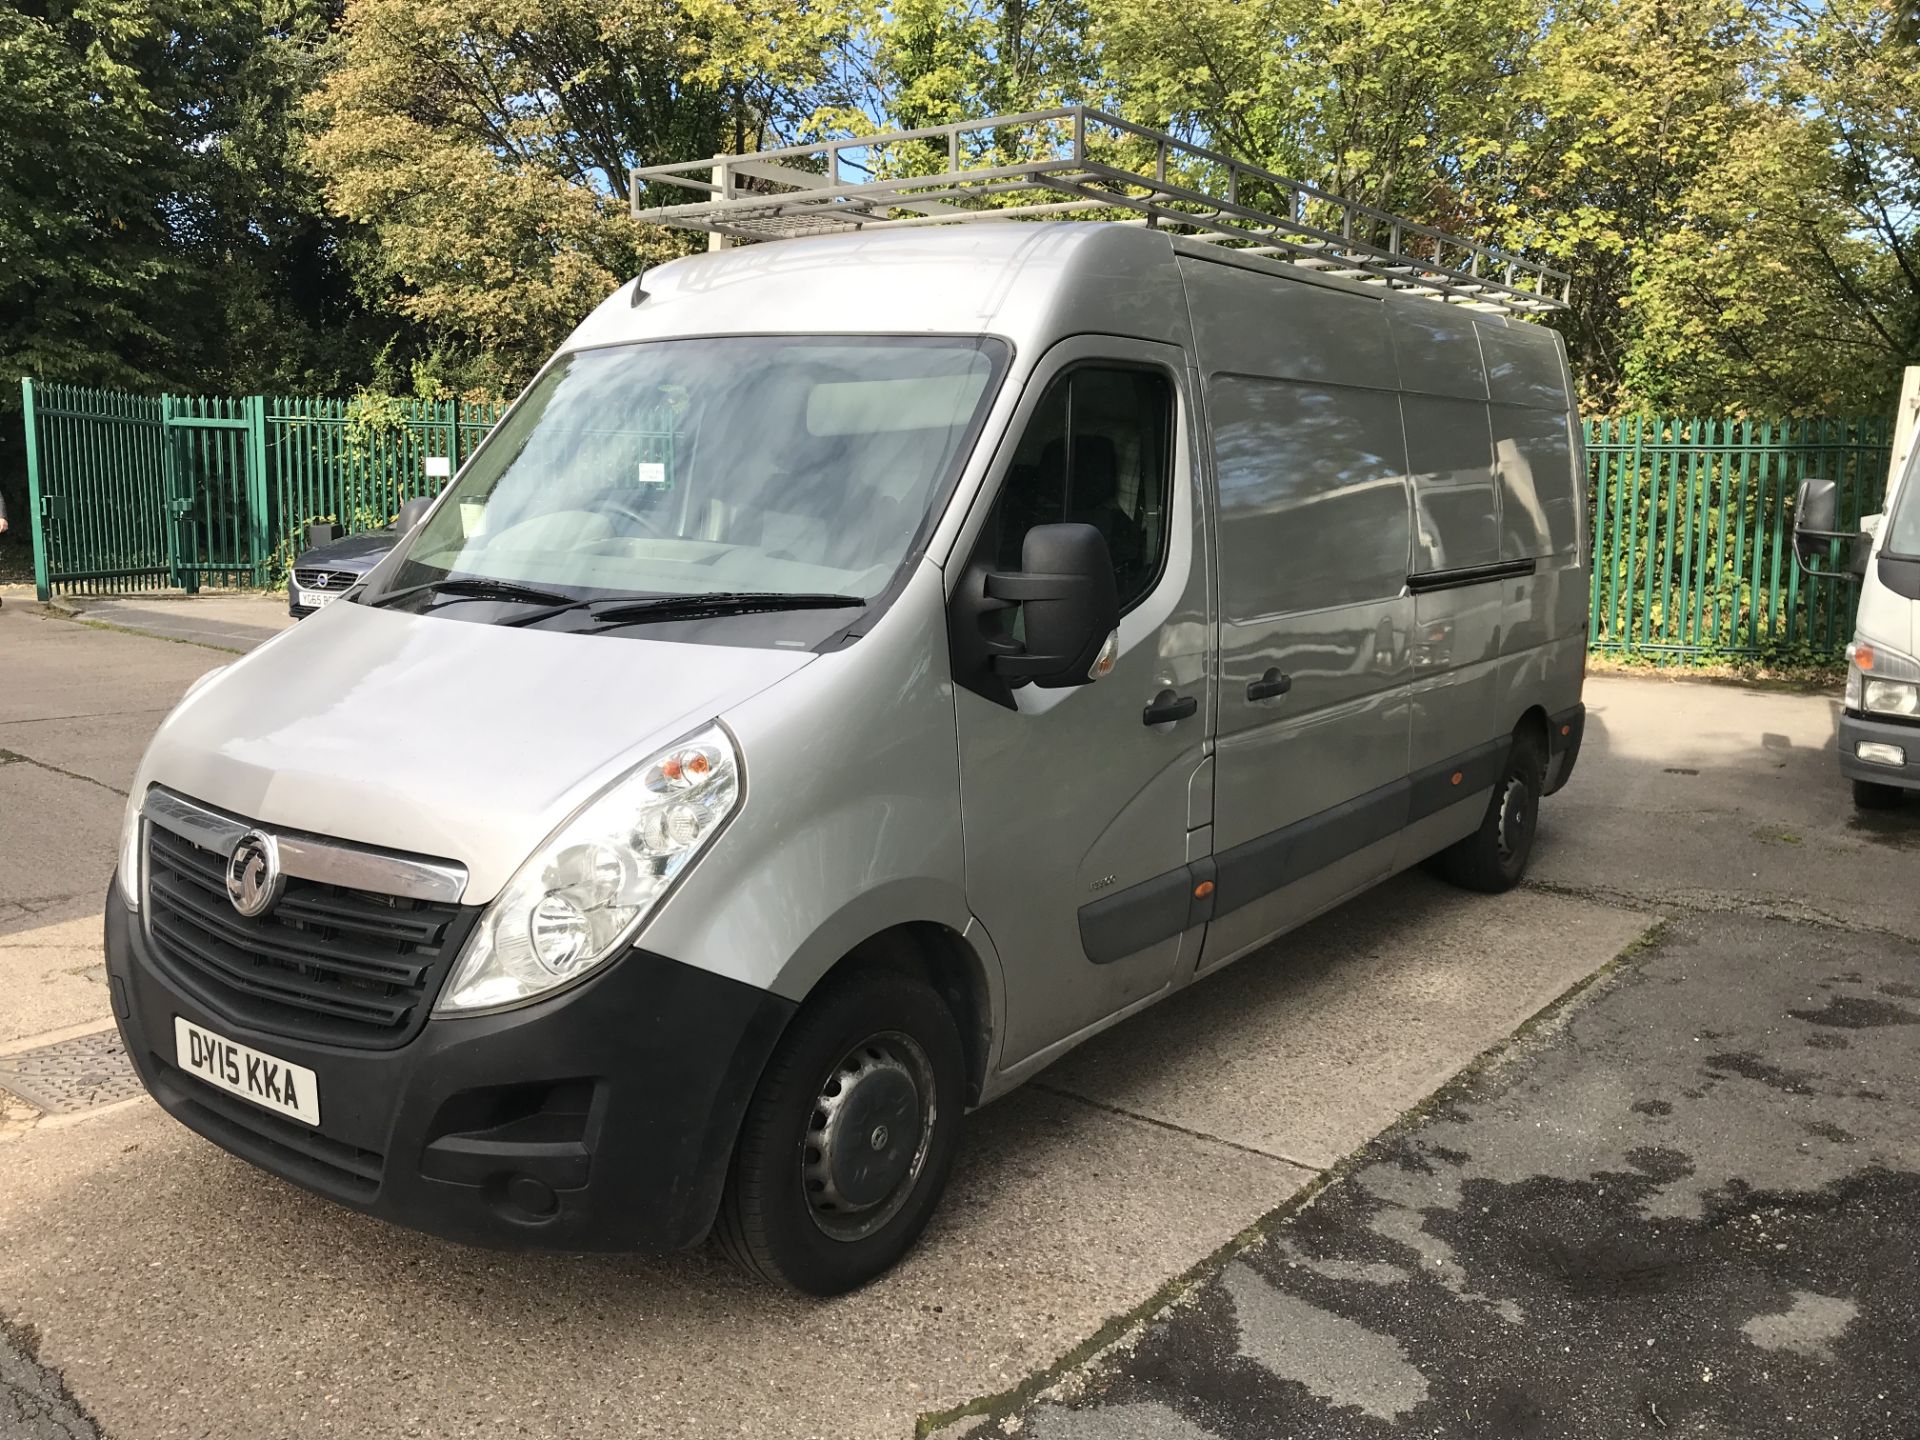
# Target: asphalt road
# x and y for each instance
(177, 1291)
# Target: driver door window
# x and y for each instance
(1096, 452)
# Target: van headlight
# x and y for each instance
(580, 898)
(127, 873)
(1882, 682)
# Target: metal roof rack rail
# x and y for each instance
(1082, 162)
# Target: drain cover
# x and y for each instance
(71, 1075)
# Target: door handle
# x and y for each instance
(1269, 686)
(1167, 706)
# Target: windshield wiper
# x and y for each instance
(721, 602)
(478, 588)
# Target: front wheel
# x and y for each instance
(849, 1137)
(1494, 857)
(1872, 795)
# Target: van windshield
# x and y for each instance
(1903, 525)
(767, 464)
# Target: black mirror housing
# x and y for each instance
(412, 513)
(1816, 514)
(1069, 603)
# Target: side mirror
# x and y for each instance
(1069, 612)
(1815, 514)
(411, 514)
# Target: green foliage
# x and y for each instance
(485, 144)
(424, 196)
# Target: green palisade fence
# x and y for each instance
(1693, 533)
(97, 489)
(132, 493)
(1691, 517)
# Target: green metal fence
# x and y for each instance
(132, 493)
(1692, 518)
(1693, 533)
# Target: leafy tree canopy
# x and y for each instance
(316, 193)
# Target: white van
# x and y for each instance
(1878, 737)
(857, 670)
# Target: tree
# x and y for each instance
(485, 145)
(1794, 283)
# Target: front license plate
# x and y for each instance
(266, 1080)
(314, 599)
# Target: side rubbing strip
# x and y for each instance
(1468, 575)
(1434, 788)
(1128, 921)
(1275, 860)
(1115, 926)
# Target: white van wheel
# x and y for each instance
(1872, 795)
(849, 1136)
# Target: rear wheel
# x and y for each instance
(849, 1137)
(1872, 795)
(1494, 857)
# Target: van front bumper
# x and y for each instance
(1857, 728)
(601, 1119)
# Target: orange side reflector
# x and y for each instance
(1863, 656)
(1566, 729)
(1203, 889)
(1458, 777)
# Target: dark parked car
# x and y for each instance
(333, 568)
(333, 563)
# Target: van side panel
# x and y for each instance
(1314, 543)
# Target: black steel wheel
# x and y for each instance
(1494, 857)
(1872, 795)
(849, 1137)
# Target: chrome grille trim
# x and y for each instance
(310, 857)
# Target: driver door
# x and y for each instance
(1081, 810)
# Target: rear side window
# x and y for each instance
(1098, 451)
(1533, 459)
(1313, 497)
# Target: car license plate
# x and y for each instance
(314, 599)
(266, 1080)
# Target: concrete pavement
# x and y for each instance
(179, 1291)
(1689, 1207)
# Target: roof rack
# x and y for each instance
(1082, 162)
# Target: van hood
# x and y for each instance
(439, 737)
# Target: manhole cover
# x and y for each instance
(71, 1075)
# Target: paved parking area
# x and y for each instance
(179, 1292)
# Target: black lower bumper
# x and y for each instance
(1565, 731)
(601, 1119)
(1854, 729)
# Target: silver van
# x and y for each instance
(856, 671)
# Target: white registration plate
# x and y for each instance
(314, 599)
(240, 1070)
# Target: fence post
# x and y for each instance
(36, 522)
(254, 407)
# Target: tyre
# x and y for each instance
(848, 1139)
(1871, 795)
(1494, 857)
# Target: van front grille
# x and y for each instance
(327, 963)
(330, 580)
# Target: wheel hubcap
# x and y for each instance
(866, 1140)
(1513, 818)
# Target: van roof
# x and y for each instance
(1016, 279)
